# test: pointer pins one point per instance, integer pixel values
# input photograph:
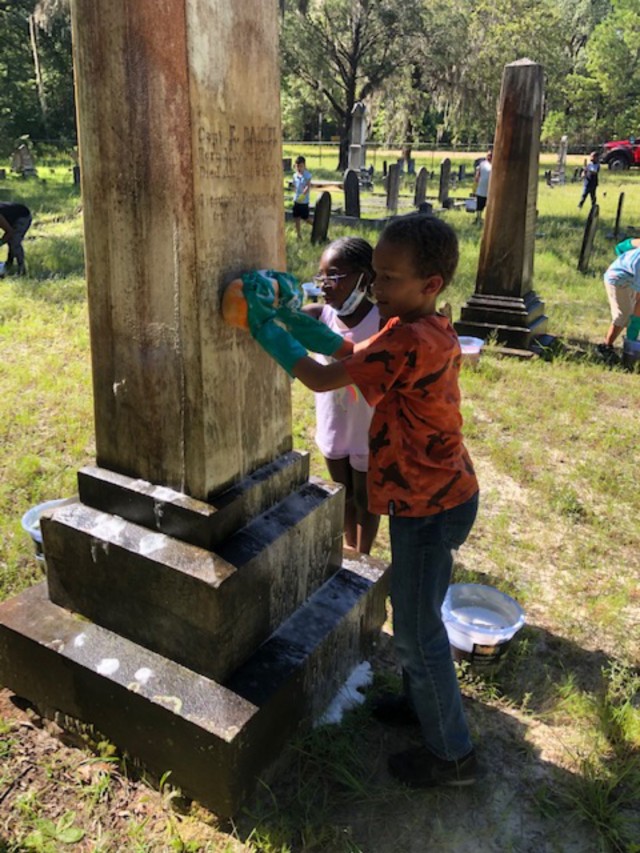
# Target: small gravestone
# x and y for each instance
(588, 238)
(616, 229)
(384, 168)
(76, 174)
(321, 217)
(445, 174)
(3, 174)
(411, 166)
(286, 164)
(351, 193)
(421, 187)
(461, 173)
(425, 207)
(393, 187)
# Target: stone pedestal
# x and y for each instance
(504, 302)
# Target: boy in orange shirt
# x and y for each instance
(420, 473)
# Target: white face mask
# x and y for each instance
(353, 300)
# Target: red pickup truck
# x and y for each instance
(621, 154)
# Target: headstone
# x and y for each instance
(321, 219)
(411, 166)
(421, 187)
(286, 164)
(425, 207)
(351, 193)
(562, 160)
(76, 174)
(461, 172)
(3, 174)
(504, 302)
(359, 132)
(196, 609)
(586, 249)
(616, 229)
(445, 175)
(393, 187)
(355, 157)
(384, 168)
(22, 161)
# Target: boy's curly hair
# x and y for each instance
(432, 243)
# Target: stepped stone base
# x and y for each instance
(515, 321)
(216, 739)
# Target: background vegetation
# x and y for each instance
(428, 70)
(558, 727)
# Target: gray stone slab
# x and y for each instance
(321, 218)
(185, 518)
(216, 740)
(351, 193)
(590, 230)
(208, 611)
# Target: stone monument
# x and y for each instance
(197, 609)
(357, 146)
(351, 186)
(420, 194)
(504, 302)
(393, 187)
(445, 176)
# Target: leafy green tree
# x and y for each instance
(343, 50)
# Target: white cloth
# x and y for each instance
(343, 416)
(484, 170)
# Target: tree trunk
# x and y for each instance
(42, 98)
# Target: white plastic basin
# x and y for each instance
(479, 615)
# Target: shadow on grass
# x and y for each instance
(334, 791)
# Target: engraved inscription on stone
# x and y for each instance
(237, 152)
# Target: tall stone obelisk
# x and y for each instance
(504, 302)
(197, 610)
(180, 152)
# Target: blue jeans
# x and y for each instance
(422, 560)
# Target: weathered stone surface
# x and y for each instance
(182, 517)
(173, 120)
(420, 195)
(351, 194)
(206, 611)
(445, 176)
(588, 237)
(321, 218)
(504, 302)
(216, 740)
(393, 187)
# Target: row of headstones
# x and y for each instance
(352, 182)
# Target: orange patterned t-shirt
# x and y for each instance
(418, 464)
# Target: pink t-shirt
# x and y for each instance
(343, 416)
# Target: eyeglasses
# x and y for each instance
(328, 279)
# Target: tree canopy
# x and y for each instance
(427, 69)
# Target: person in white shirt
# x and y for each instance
(343, 416)
(482, 180)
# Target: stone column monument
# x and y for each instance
(197, 610)
(504, 302)
(357, 147)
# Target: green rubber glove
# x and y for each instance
(257, 289)
(280, 345)
(633, 329)
(311, 333)
(624, 246)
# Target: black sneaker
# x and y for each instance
(419, 768)
(393, 709)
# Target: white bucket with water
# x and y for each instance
(480, 621)
(471, 348)
(31, 521)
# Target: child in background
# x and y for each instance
(420, 473)
(590, 176)
(343, 416)
(301, 193)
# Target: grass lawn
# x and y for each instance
(558, 726)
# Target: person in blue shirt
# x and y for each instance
(301, 193)
(590, 175)
(622, 283)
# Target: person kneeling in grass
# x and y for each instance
(420, 473)
(622, 283)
